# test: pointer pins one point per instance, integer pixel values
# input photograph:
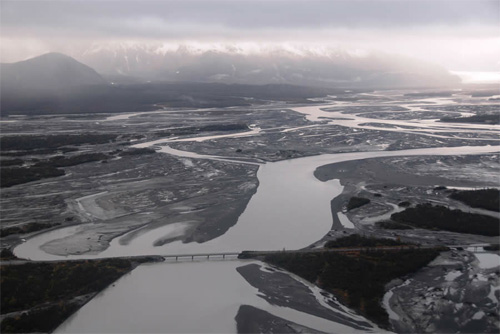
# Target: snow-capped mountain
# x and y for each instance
(254, 64)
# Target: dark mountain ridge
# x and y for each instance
(151, 96)
(48, 74)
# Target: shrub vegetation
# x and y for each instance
(488, 199)
(356, 202)
(51, 142)
(391, 225)
(358, 281)
(18, 175)
(137, 151)
(356, 240)
(26, 228)
(441, 218)
(47, 290)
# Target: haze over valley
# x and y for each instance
(244, 167)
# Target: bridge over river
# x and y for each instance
(345, 250)
(262, 254)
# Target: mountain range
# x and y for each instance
(277, 65)
(137, 78)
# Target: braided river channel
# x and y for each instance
(290, 210)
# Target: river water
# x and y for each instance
(187, 297)
(291, 210)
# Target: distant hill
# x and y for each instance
(48, 74)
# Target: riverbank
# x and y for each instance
(409, 181)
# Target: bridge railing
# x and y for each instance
(206, 256)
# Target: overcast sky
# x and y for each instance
(460, 35)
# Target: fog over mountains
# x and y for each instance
(129, 78)
(228, 63)
(55, 83)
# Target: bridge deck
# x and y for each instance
(198, 255)
(261, 253)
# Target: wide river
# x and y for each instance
(291, 210)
